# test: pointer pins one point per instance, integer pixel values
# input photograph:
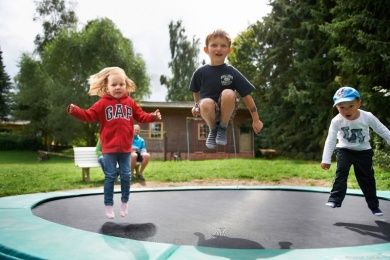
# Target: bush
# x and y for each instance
(381, 153)
(18, 142)
(382, 159)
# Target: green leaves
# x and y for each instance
(60, 78)
(301, 53)
(5, 88)
(286, 56)
(55, 16)
(184, 54)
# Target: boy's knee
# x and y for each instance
(228, 93)
(206, 102)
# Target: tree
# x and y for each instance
(47, 86)
(55, 16)
(31, 102)
(286, 56)
(32, 82)
(361, 30)
(5, 87)
(71, 58)
(184, 55)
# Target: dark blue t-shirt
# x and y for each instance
(210, 81)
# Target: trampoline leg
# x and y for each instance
(85, 174)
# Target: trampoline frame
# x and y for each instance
(25, 236)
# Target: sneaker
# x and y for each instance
(333, 204)
(110, 212)
(377, 212)
(140, 177)
(124, 209)
(221, 136)
(210, 141)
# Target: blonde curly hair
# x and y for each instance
(98, 81)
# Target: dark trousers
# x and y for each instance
(364, 172)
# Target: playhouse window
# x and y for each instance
(203, 131)
(156, 130)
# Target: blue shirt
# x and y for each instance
(139, 144)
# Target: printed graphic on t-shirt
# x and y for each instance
(226, 80)
(353, 135)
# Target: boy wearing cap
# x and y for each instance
(349, 133)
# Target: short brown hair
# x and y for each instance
(218, 33)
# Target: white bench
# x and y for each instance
(85, 158)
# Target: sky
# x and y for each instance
(144, 22)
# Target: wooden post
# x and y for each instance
(85, 174)
(165, 143)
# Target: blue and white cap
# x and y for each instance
(345, 94)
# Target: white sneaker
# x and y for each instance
(333, 204)
(110, 212)
(124, 209)
(377, 212)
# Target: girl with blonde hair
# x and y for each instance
(97, 82)
(115, 111)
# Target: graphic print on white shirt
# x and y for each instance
(353, 135)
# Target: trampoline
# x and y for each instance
(237, 222)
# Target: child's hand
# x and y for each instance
(71, 108)
(325, 166)
(257, 126)
(195, 110)
(157, 114)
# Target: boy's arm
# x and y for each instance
(195, 109)
(196, 96)
(329, 147)
(257, 125)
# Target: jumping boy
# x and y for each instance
(214, 89)
(351, 128)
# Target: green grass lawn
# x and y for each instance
(22, 173)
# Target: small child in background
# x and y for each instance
(351, 130)
(115, 111)
(99, 154)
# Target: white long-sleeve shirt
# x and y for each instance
(353, 134)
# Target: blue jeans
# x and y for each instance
(110, 172)
(101, 162)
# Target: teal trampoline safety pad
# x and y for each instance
(26, 236)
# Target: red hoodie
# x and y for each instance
(116, 119)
